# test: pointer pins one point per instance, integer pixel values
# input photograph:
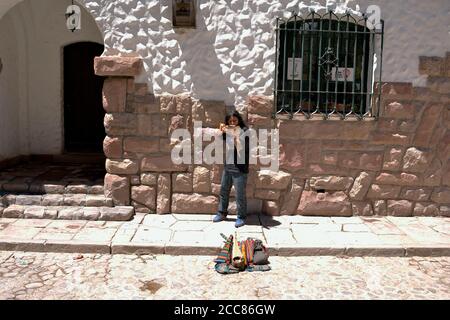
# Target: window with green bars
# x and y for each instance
(326, 66)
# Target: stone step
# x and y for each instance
(119, 213)
(25, 186)
(88, 200)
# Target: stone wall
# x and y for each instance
(396, 165)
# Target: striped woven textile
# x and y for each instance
(224, 255)
(249, 246)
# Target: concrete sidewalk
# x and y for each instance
(179, 234)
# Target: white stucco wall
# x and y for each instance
(31, 88)
(9, 97)
(231, 53)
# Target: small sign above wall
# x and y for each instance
(183, 13)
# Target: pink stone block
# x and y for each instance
(396, 88)
(361, 186)
(330, 157)
(441, 195)
(430, 117)
(201, 180)
(155, 125)
(118, 189)
(383, 191)
(120, 124)
(335, 183)
(360, 208)
(386, 125)
(326, 130)
(163, 194)
(399, 111)
(426, 209)
(379, 207)
(292, 156)
(141, 145)
(416, 194)
(114, 94)
(267, 194)
(256, 120)
(361, 160)
(324, 204)
(117, 66)
(273, 180)
(403, 179)
(393, 158)
(125, 166)
(161, 164)
(144, 195)
(194, 203)
(387, 138)
(112, 147)
(400, 208)
(262, 105)
(416, 160)
(292, 198)
(182, 182)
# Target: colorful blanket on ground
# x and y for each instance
(223, 260)
(224, 255)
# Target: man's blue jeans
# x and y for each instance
(239, 180)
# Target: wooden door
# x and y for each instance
(83, 109)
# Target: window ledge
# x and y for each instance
(319, 117)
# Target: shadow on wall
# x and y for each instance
(203, 65)
(179, 59)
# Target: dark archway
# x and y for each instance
(83, 107)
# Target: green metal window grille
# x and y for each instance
(328, 65)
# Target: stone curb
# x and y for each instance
(425, 251)
(190, 249)
(292, 251)
(77, 246)
(375, 251)
(55, 246)
(23, 245)
(136, 248)
(171, 248)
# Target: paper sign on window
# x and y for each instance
(342, 74)
(297, 75)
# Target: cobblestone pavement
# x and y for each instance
(57, 276)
